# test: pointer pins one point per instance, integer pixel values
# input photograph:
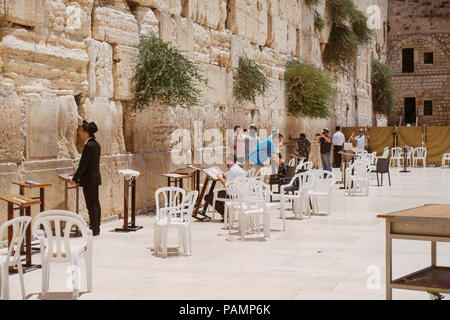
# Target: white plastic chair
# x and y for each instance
(419, 153)
(251, 173)
(58, 247)
(262, 173)
(396, 156)
(358, 181)
(178, 217)
(307, 166)
(385, 152)
(299, 187)
(252, 199)
(291, 162)
(323, 181)
(10, 256)
(445, 159)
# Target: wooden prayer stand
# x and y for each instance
(129, 183)
(208, 178)
(192, 172)
(405, 159)
(67, 178)
(430, 222)
(24, 204)
(33, 185)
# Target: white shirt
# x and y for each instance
(361, 141)
(235, 172)
(338, 138)
(87, 140)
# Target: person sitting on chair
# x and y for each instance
(88, 174)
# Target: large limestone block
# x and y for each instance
(11, 135)
(73, 18)
(209, 13)
(248, 19)
(67, 127)
(123, 70)
(277, 35)
(115, 26)
(291, 40)
(47, 171)
(174, 7)
(146, 20)
(177, 30)
(8, 173)
(101, 83)
(25, 12)
(41, 115)
(108, 117)
(219, 84)
(39, 63)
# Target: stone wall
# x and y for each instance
(424, 26)
(66, 60)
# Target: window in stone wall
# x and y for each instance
(428, 108)
(410, 110)
(428, 58)
(408, 60)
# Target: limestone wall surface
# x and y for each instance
(62, 61)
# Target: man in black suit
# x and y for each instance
(88, 174)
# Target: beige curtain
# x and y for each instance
(438, 143)
(379, 138)
(410, 136)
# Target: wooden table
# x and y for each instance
(24, 203)
(192, 172)
(430, 222)
(129, 183)
(67, 178)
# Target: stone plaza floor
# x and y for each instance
(325, 257)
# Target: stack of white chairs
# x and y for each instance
(252, 198)
(419, 153)
(396, 156)
(296, 191)
(445, 159)
(58, 247)
(174, 212)
(357, 178)
(10, 255)
(322, 187)
(251, 173)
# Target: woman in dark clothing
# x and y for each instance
(88, 174)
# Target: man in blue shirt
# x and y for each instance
(267, 149)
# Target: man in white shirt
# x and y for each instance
(360, 140)
(338, 142)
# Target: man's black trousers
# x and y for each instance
(93, 207)
(337, 156)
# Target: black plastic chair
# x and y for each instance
(383, 167)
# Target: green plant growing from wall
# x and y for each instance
(342, 46)
(162, 74)
(250, 80)
(311, 3)
(344, 41)
(319, 22)
(308, 90)
(383, 91)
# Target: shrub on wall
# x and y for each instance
(383, 91)
(344, 41)
(250, 80)
(342, 46)
(308, 90)
(163, 74)
(319, 22)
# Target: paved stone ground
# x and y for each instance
(325, 257)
